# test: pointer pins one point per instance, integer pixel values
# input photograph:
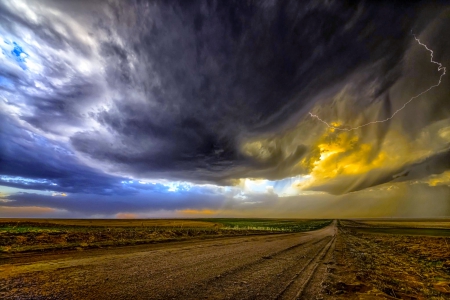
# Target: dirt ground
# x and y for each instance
(116, 222)
(388, 266)
(336, 262)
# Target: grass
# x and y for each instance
(25, 235)
(404, 266)
(109, 222)
(281, 225)
(408, 223)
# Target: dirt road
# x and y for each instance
(287, 266)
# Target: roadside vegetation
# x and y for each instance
(24, 235)
(280, 225)
(389, 265)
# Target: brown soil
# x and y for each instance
(337, 262)
(100, 237)
(383, 266)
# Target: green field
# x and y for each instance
(281, 225)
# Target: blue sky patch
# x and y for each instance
(17, 53)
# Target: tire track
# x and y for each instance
(303, 292)
(297, 285)
(228, 277)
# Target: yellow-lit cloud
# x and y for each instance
(344, 161)
(197, 212)
(57, 194)
(440, 179)
(126, 216)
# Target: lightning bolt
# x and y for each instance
(440, 68)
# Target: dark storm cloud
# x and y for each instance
(214, 72)
(171, 89)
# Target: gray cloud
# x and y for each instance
(146, 201)
(403, 200)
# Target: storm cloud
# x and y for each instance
(95, 94)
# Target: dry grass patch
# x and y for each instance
(390, 266)
(112, 222)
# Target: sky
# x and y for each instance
(186, 109)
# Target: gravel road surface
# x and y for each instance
(284, 266)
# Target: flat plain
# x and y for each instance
(37, 235)
(250, 259)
